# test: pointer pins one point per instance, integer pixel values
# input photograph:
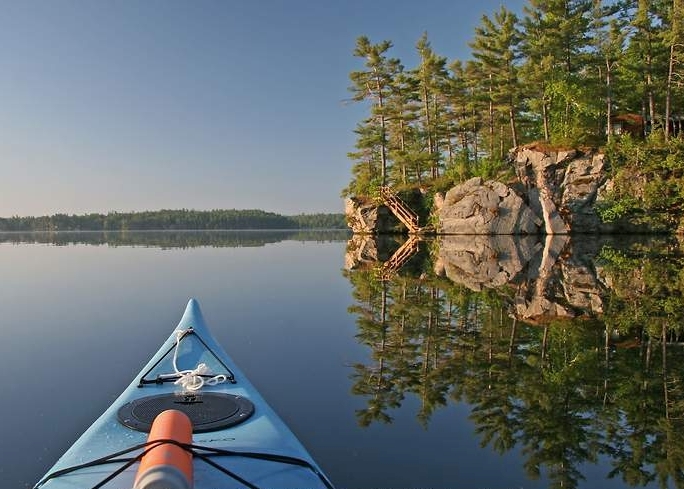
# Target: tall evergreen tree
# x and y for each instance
(674, 38)
(375, 84)
(402, 112)
(431, 75)
(555, 42)
(366, 171)
(644, 62)
(495, 46)
(607, 41)
(459, 124)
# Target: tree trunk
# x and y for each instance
(402, 148)
(464, 135)
(545, 117)
(383, 133)
(475, 145)
(668, 91)
(450, 148)
(674, 44)
(665, 389)
(649, 91)
(428, 121)
(491, 118)
(434, 165)
(609, 102)
(514, 132)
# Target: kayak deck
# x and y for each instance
(229, 416)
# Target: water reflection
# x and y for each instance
(174, 239)
(567, 348)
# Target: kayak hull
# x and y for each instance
(262, 431)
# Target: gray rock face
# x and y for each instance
(480, 262)
(479, 207)
(368, 217)
(562, 187)
(362, 250)
(559, 193)
(550, 279)
(361, 218)
(556, 193)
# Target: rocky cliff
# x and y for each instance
(555, 192)
(366, 217)
(479, 207)
(562, 187)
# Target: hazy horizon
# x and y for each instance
(169, 209)
(206, 105)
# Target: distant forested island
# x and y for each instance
(167, 219)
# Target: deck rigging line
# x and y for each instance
(195, 378)
(201, 452)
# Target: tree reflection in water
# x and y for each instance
(570, 348)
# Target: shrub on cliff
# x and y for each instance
(648, 181)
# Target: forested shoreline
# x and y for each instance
(173, 220)
(565, 74)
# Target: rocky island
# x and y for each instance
(596, 131)
(555, 192)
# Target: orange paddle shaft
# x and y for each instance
(167, 466)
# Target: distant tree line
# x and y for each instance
(173, 220)
(560, 74)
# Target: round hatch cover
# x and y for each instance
(208, 411)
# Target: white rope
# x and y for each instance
(192, 380)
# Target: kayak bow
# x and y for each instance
(237, 439)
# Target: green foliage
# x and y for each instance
(492, 169)
(564, 392)
(613, 209)
(319, 221)
(648, 181)
(559, 73)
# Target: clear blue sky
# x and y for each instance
(132, 105)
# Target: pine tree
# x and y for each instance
(474, 106)
(608, 38)
(366, 170)
(431, 75)
(495, 46)
(674, 37)
(458, 127)
(402, 113)
(555, 42)
(644, 62)
(375, 84)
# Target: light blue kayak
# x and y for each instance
(238, 441)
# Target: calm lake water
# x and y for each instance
(466, 362)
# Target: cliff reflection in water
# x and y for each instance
(569, 348)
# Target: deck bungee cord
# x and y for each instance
(192, 379)
(203, 453)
